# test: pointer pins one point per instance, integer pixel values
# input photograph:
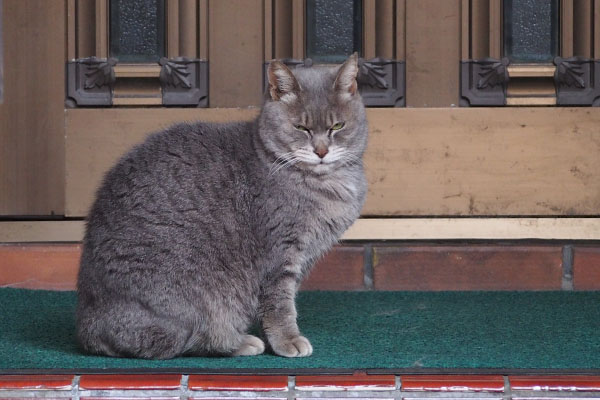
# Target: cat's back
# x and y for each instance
(169, 191)
(168, 162)
(198, 146)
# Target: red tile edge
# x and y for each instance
(133, 382)
(357, 381)
(256, 383)
(53, 382)
(124, 398)
(452, 383)
(573, 383)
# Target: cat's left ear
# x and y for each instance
(345, 81)
(283, 85)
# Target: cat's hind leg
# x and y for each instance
(223, 332)
(226, 343)
(133, 333)
(251, 346)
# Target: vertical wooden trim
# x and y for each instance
(282, 29)
(172, 28)
(236, 48)
(465, 31)
(268, 29)
(582, 28)
(432, 52)
(495, 31)
(71, 24)
(85, 29)
(188, 28)
(401, 29)
(384, 26)
(566, 28)
(298, 29)
(101, 28)
(369, 33)
(32, 126)
(596, 29)
(203, 30)
(1, 58)
(480, 29)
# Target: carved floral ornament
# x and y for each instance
(90, 82)
(576, 80)
(493, 73)
(175, 72)
(99, 72)
(569, 72)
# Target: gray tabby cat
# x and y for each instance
(204, 229)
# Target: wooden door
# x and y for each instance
(429, 159)
(32, 108)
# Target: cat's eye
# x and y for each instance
(338, 126)
(302, 128)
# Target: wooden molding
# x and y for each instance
(369, 29)
(203, 29)
(596, 30)
(531, 87)
(172, 28)
(71, 28)
(531, 70)
(495, 28)
(101, 28)
(137, 101)
(479, 29)
(137, 70)
(531, 101)
(298, 31)
(566, 28)
(188, 29)
(268, 29)
(465, 30)
(368, 229)
(401, 30)
(474, 228)
(41, 231)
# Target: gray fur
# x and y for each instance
(204, 229)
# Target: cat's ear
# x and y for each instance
(283, 85)
(345, 81)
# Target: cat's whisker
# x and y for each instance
(282, 159)
(288, 162)
(276, 164)
(353, 156)
(283, 166)
(349, 158)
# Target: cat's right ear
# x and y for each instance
(283, 85)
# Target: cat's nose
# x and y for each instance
(321, 151)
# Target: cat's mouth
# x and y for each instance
(321, 167)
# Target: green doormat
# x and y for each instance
(355, 330)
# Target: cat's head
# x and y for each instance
(314, 118)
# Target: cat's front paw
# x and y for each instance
(298, 346)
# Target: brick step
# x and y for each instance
(367, 266)
(357, 385)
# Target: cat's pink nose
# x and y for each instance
(321, 151)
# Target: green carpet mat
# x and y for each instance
(510, 330)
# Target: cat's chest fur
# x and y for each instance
(316, 210)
